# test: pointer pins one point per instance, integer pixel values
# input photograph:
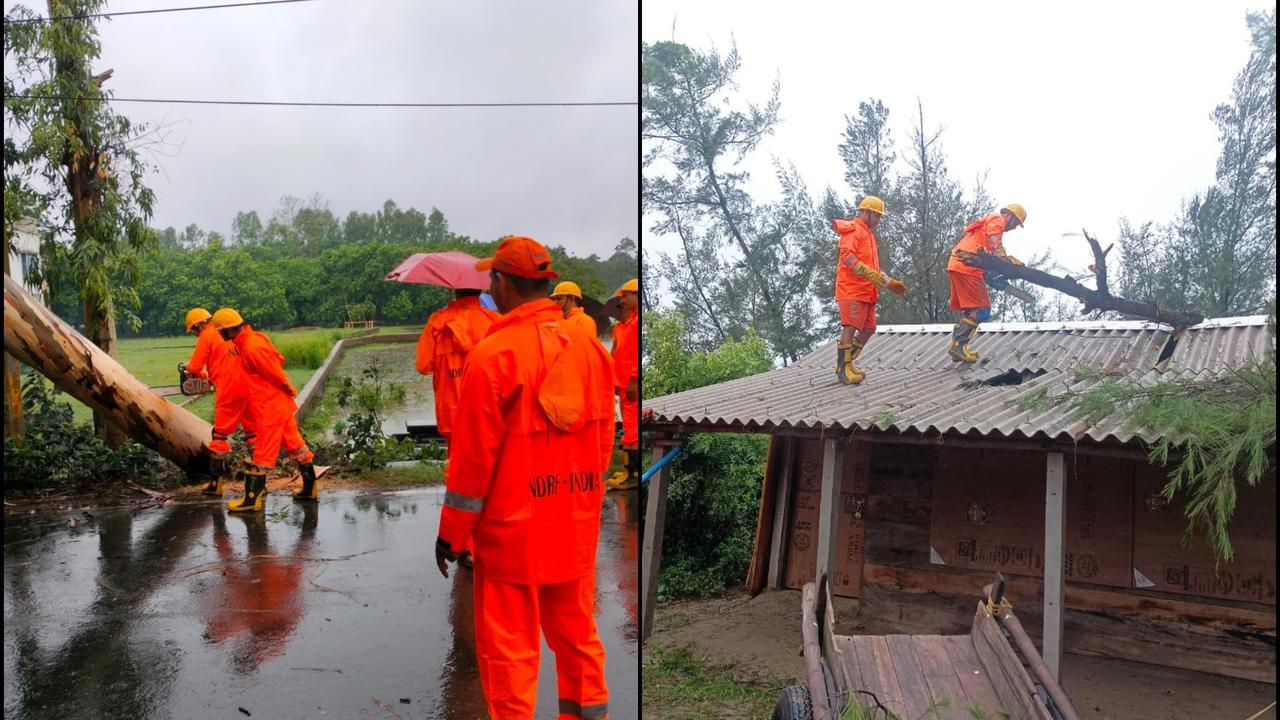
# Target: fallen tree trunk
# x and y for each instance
(40, 339)
(1094, 299)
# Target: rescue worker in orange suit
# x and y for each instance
(447, 338)
(258, 605)
(271, 412)
(968, 284)
(219, 361)
(859, 281)
(569, 297)
(526, 481)
(626, 363)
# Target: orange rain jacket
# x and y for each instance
(626, 351)
(975, 238)
(526, 480)
(219, 356)
(578, 318)
(856, 241)
(451, 333)
(270, 392)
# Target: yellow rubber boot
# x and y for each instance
(218, 466)
(255, 490)
(617, 480)
(959, 348)
(846, 373)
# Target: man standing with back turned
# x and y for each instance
(526, 486)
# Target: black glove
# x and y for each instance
(444, 556)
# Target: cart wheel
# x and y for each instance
(793, 704)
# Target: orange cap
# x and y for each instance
(520, 256)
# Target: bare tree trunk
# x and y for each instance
(37, 337)
(15, 421)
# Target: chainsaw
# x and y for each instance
(998, 282)
(193, 384)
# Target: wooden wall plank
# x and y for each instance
(855, 485)
(758, 569)
(802, 530)
(988, 514)
(1161, 562)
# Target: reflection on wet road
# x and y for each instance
(332, 611)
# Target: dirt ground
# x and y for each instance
(760, 637)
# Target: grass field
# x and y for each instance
(154, 361)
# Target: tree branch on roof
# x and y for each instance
(1093, 299)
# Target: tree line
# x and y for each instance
(304, 266)
(768, 265)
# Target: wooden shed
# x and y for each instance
(932, 477)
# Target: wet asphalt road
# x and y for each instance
(189, 612)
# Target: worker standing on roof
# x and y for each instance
(219, 361)
(271, 411)
(968, 285)
(448, 337)
(526, 482)
(569, 297)
(858, 284)
(626, 363)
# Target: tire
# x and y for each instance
(793, 704)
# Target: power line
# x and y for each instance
(150, 12)
(334, 104)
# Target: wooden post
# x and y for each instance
(777, 542)
(655, 519)
(829, 509)
(1055, 526)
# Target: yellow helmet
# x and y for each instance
(632, 285)
(1018, 212)
(872, 203)
(196, 315)
(567, 288)
(225, 318)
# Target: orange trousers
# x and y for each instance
(230, 411)
(508, 618)
(968, 292)
(274, 434)
(448, 438)
(630, 421)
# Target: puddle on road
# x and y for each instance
(189, 612)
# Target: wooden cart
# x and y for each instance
(993, 672)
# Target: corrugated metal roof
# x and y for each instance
(913, 386)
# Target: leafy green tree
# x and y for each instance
(1218, 257)
(246, 228)
(81, 156)
(715, 489)
(690, 121)
(437, 229)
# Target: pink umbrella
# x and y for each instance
(453, 270)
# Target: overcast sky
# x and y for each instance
(566, 176)
(1083, 112)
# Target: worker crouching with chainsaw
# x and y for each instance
(271, 412)
(858, 284)
(968, 284)
(526, 484)
(219, 360)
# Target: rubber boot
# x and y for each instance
(218, 471)
(633, 477)
(620, 477)
(845, 371)
(255, 490)
(960, 336)
(310, 491)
